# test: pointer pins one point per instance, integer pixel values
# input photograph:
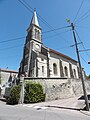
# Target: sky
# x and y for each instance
(15, 17)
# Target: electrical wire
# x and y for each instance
(78, 11)
(82, 44)
(43, 20)
(63, 47)
(11, 47)
(6, 48)
(83, 19)
(13, 39)
(31, 10)
(10, 56)
(10, 40)
(25, 4)
(84, 50)
(82, 16)
(66, 47)
(83, 59)
(84, 27)
(55, 29)
(57, 34)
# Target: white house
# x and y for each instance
(7, 77)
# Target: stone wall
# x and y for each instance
(5, 75)
(61, 88)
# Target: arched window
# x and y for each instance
(35, 33)
(61, 69)
(43, 71)
(54, 68)
(74, 73)
(66, 71)
(38, 35)
(71, 70)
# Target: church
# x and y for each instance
(41, 61)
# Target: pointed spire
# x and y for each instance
(35, 19)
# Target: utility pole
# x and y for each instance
(0, 75)
(0, 81)
(21, 101)
(80, 68)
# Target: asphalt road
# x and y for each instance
(28, 112)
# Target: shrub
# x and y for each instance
(14, 95)
(34, 93)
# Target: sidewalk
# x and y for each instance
(85, 112)
(70, 103)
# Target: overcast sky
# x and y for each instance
(52, 14)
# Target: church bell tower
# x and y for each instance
(32, 45)
(34, 30)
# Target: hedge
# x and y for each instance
(33, 93)
(14, 95)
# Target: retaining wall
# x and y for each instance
(61, 88)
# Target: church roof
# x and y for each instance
(60, 54)
(35, 19)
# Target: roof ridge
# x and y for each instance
(61, 54)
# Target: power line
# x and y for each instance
(84, 50)
(85, 27)
(10, 47)
(78, 10)
(43, 20)
(22, 46)
(63, 47)
(10, 56)
(82, 16)
(13, 39)
(57, 34)
(83, 19)
(25, 4)
(83, 59)
(68, 46)
(55, 29)
(31, 10)
(82, 44)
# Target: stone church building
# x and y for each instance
(41, 61)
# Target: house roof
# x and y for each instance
(10, 71)
(60, 54)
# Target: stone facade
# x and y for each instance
(41, 61)
(6, 77)
(61, 88)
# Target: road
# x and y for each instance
(28, 112)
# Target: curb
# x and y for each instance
(3, 99)
(63, 107)
(85, 112)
